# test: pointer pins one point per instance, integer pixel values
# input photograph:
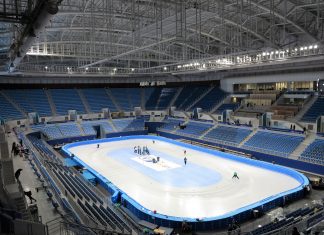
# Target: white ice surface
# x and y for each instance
(220, 198)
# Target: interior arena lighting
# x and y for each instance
(277, 52)
(115, 69)
(315, 46)
(263, 54)
(98, 69)
(165, 68)
(305, 48)
(302, 48)
(296, 49)
(86, 68)
(179, 66)
(310, 47)
(133, 69)
(46, 67)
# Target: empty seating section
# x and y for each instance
(134, 95)
(122, 98)
(98, 99)
(279, 144)
(165, 97)
(7, 110)
(128, 124)
(314, 153)
(172, 124)
(52, 132)
(67, 99)
(70, 129)
(147, 94)
(88, 128)
(228, 134)
(188, 95)
(223, 107)
(87, 125)
(153, 99)
(316, 110)
(43, 149)
(211, 99)
(92, 204)
(34, 100)
(194, 128)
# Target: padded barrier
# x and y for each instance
(211, 223)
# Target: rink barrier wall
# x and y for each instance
(210, 223)
(93, 137)
(292, 163)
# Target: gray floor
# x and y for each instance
(30, 181)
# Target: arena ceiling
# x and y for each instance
(149, 33)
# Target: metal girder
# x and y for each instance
(128, 52)
(279, 15)
(99, 43)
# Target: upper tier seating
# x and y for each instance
(213, 98)
(281, 144)
(165, 97)
(98, 99)
(172, 124)
(67, 99)
(34, 100)
(70, 129)
(223, 107)
(134, 96)
(316, 110)
(314, 152)
(127, 98)
(194, 128)
(228, 134)
(188, 95)
(127, 124)
(8, 111)
(153, 99)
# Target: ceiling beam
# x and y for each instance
(128, 52)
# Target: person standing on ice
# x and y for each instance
(98, 146)
(185, 161)
(235, 176)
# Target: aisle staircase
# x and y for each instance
(14, 104)
(255, 130)
(143, 99)
(301, 113)
(51, 102)
(301, 148)
(199, 98)
(112, 98)
(175, 97)
(84, 101)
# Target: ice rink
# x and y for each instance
(202, 188)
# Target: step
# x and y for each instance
(51, 102)
(84, 101)
(112, 98)
(303, 145)
(255, 130)
(175, 97)
(199, 98)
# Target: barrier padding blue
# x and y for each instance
(210, 223)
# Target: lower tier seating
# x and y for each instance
(314, 153)
(273, 142)
(228, 134)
